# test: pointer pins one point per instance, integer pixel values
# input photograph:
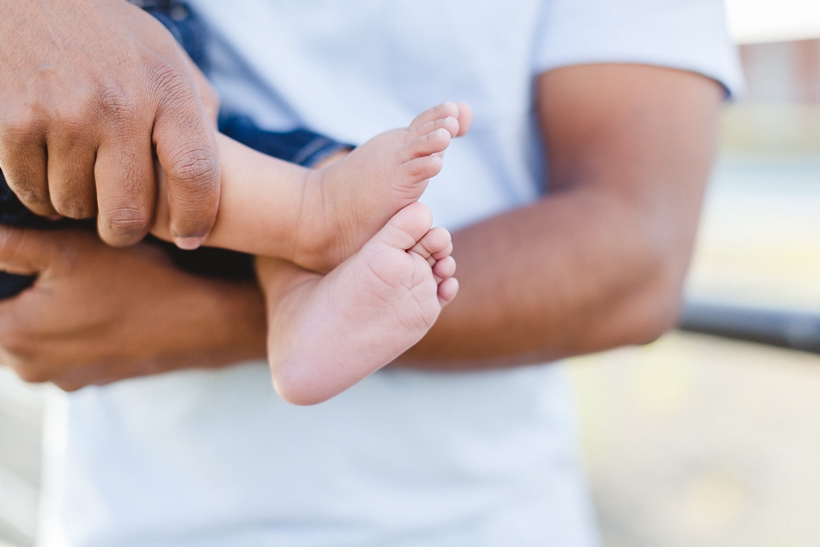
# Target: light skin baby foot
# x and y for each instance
(346, 203)
(326, 333)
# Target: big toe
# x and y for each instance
(438, 112)
(465, 118)
(436, 140)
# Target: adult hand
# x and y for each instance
(90, 90)
(97, 314)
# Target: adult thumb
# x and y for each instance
(187, 152)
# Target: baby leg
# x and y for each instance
(317, 218)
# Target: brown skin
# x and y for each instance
(98, 314)
(90, 89)
(598, 263)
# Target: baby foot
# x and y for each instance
(327, 333)
(351, 199)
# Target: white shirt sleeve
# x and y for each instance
(685, 34)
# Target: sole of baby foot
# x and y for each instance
(331, 332)
(357, 195)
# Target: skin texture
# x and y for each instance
(319, 217)
(597, 263)
(98, 314)
(326, 333)
(91, 89)
(601, 261)
(391, 273)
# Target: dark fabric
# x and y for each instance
(14, 213)
(300, 146)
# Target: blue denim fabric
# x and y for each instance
(300, 146)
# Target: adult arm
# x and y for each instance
(97, 314)
(600, 261)
(91, 90)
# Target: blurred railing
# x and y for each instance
(771, 326)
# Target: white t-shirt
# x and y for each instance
(215, 458)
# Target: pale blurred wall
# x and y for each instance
(695, 441)
(782, 72)
(21, 416)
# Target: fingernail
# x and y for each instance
(189, 243)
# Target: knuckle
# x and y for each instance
(72, 201)
(70, 120)
(114, 103)
(126, 222)
(75, 209)
(194, 167)
(29, 191)
(20, 127)
(167, 79)
(188, 161)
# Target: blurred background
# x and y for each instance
(697, 439)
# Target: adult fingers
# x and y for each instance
(23, 162)
(71, 173)
(187, 152)
(126, 187)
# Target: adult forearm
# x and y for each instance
(568, 275)
(601, 261)
(224, 324)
